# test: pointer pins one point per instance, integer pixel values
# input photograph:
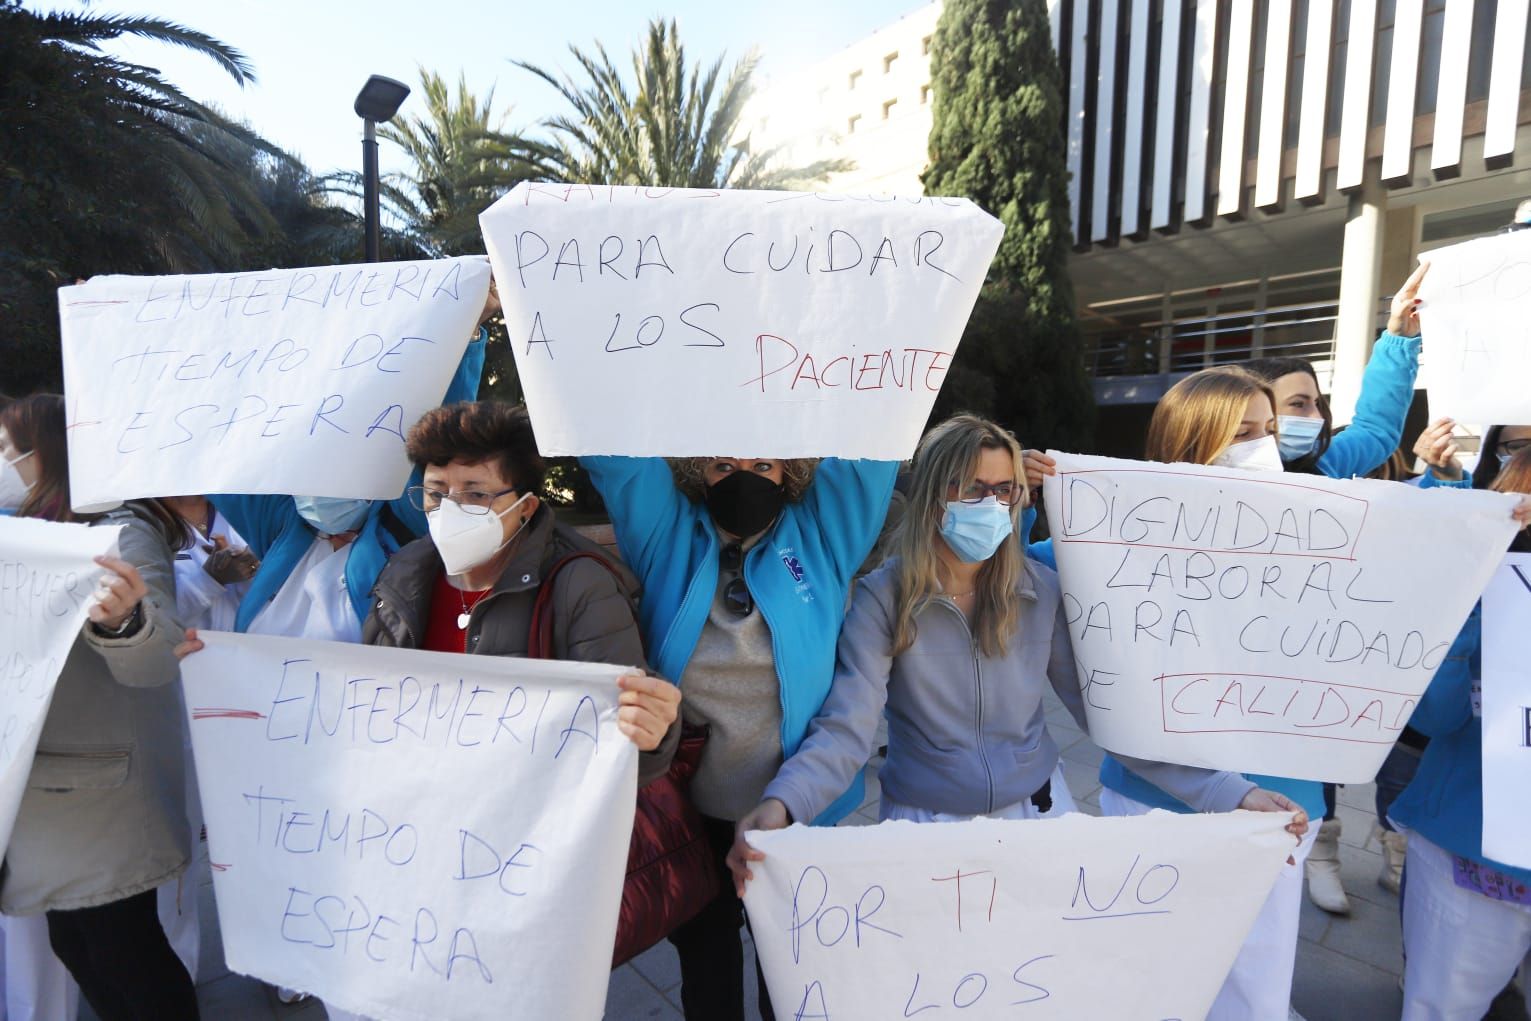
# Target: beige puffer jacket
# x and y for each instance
(104, 814)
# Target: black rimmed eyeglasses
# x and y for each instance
(736, 594)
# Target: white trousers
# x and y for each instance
(180, 901)
(1063, 803)
(1461, 947)
(37, 985)
(1259, 985)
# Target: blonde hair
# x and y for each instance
(1515, 476)
(948, 455)
(1200, 415)
(691, 475)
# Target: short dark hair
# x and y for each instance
(480, 431)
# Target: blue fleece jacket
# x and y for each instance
(279, 536)
(799, 573)
(1444, 801)
(1387, 391)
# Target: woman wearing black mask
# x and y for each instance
(746, 564)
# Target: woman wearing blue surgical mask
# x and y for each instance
(320, 556)
(1438, 449)
(1308, 439)
(1466, 916)
(956, 637)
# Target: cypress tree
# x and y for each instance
(997, 138)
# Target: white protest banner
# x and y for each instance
(1507, 712)
(287, 381)
(1136, 917)
(778, 324)
(47, 578)
(1262, 622)
(1477, 335)
(414, 835)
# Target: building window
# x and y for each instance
(925, 46)
(887, 108)
(850, 125)
(889, 61)
(924, 94)
(855, 77)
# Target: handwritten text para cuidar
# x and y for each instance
(410, 834)
(784, 323)
(1256, 622)
(285, 381)
(983, 919)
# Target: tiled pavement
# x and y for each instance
(1347, 968)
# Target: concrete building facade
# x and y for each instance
(1248, 177)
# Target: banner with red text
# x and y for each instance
(668, 321)
(1260, 622)
(288, 381)
(414, 835)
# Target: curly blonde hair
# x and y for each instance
(691, 475)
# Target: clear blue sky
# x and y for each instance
(311, 56)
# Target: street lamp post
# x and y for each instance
(378, 100)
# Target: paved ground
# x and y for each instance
(1347, 968)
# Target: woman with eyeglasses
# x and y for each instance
(1438, 449)
(956, 637)
(746, 564)
(1466, 916)
(471, 584)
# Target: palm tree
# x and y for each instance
(676, 127)
(462, 161)
(103, 168)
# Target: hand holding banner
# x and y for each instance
(1136, 917)
(414, 835)
(777, 324)
(1476, 332)
(47, 577)
(1259, 622)
(288, 381)
(1507, 712)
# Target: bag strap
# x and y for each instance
(391, 523)
(539, 640)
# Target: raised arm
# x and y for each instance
(646, 507)
(1387, 390)
(848, 501)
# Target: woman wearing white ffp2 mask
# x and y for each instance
(1226, 416)
(472, 584)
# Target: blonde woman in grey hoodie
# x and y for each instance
(955, 637)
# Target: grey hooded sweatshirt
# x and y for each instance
(966, 733)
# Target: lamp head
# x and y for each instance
(380, 98)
